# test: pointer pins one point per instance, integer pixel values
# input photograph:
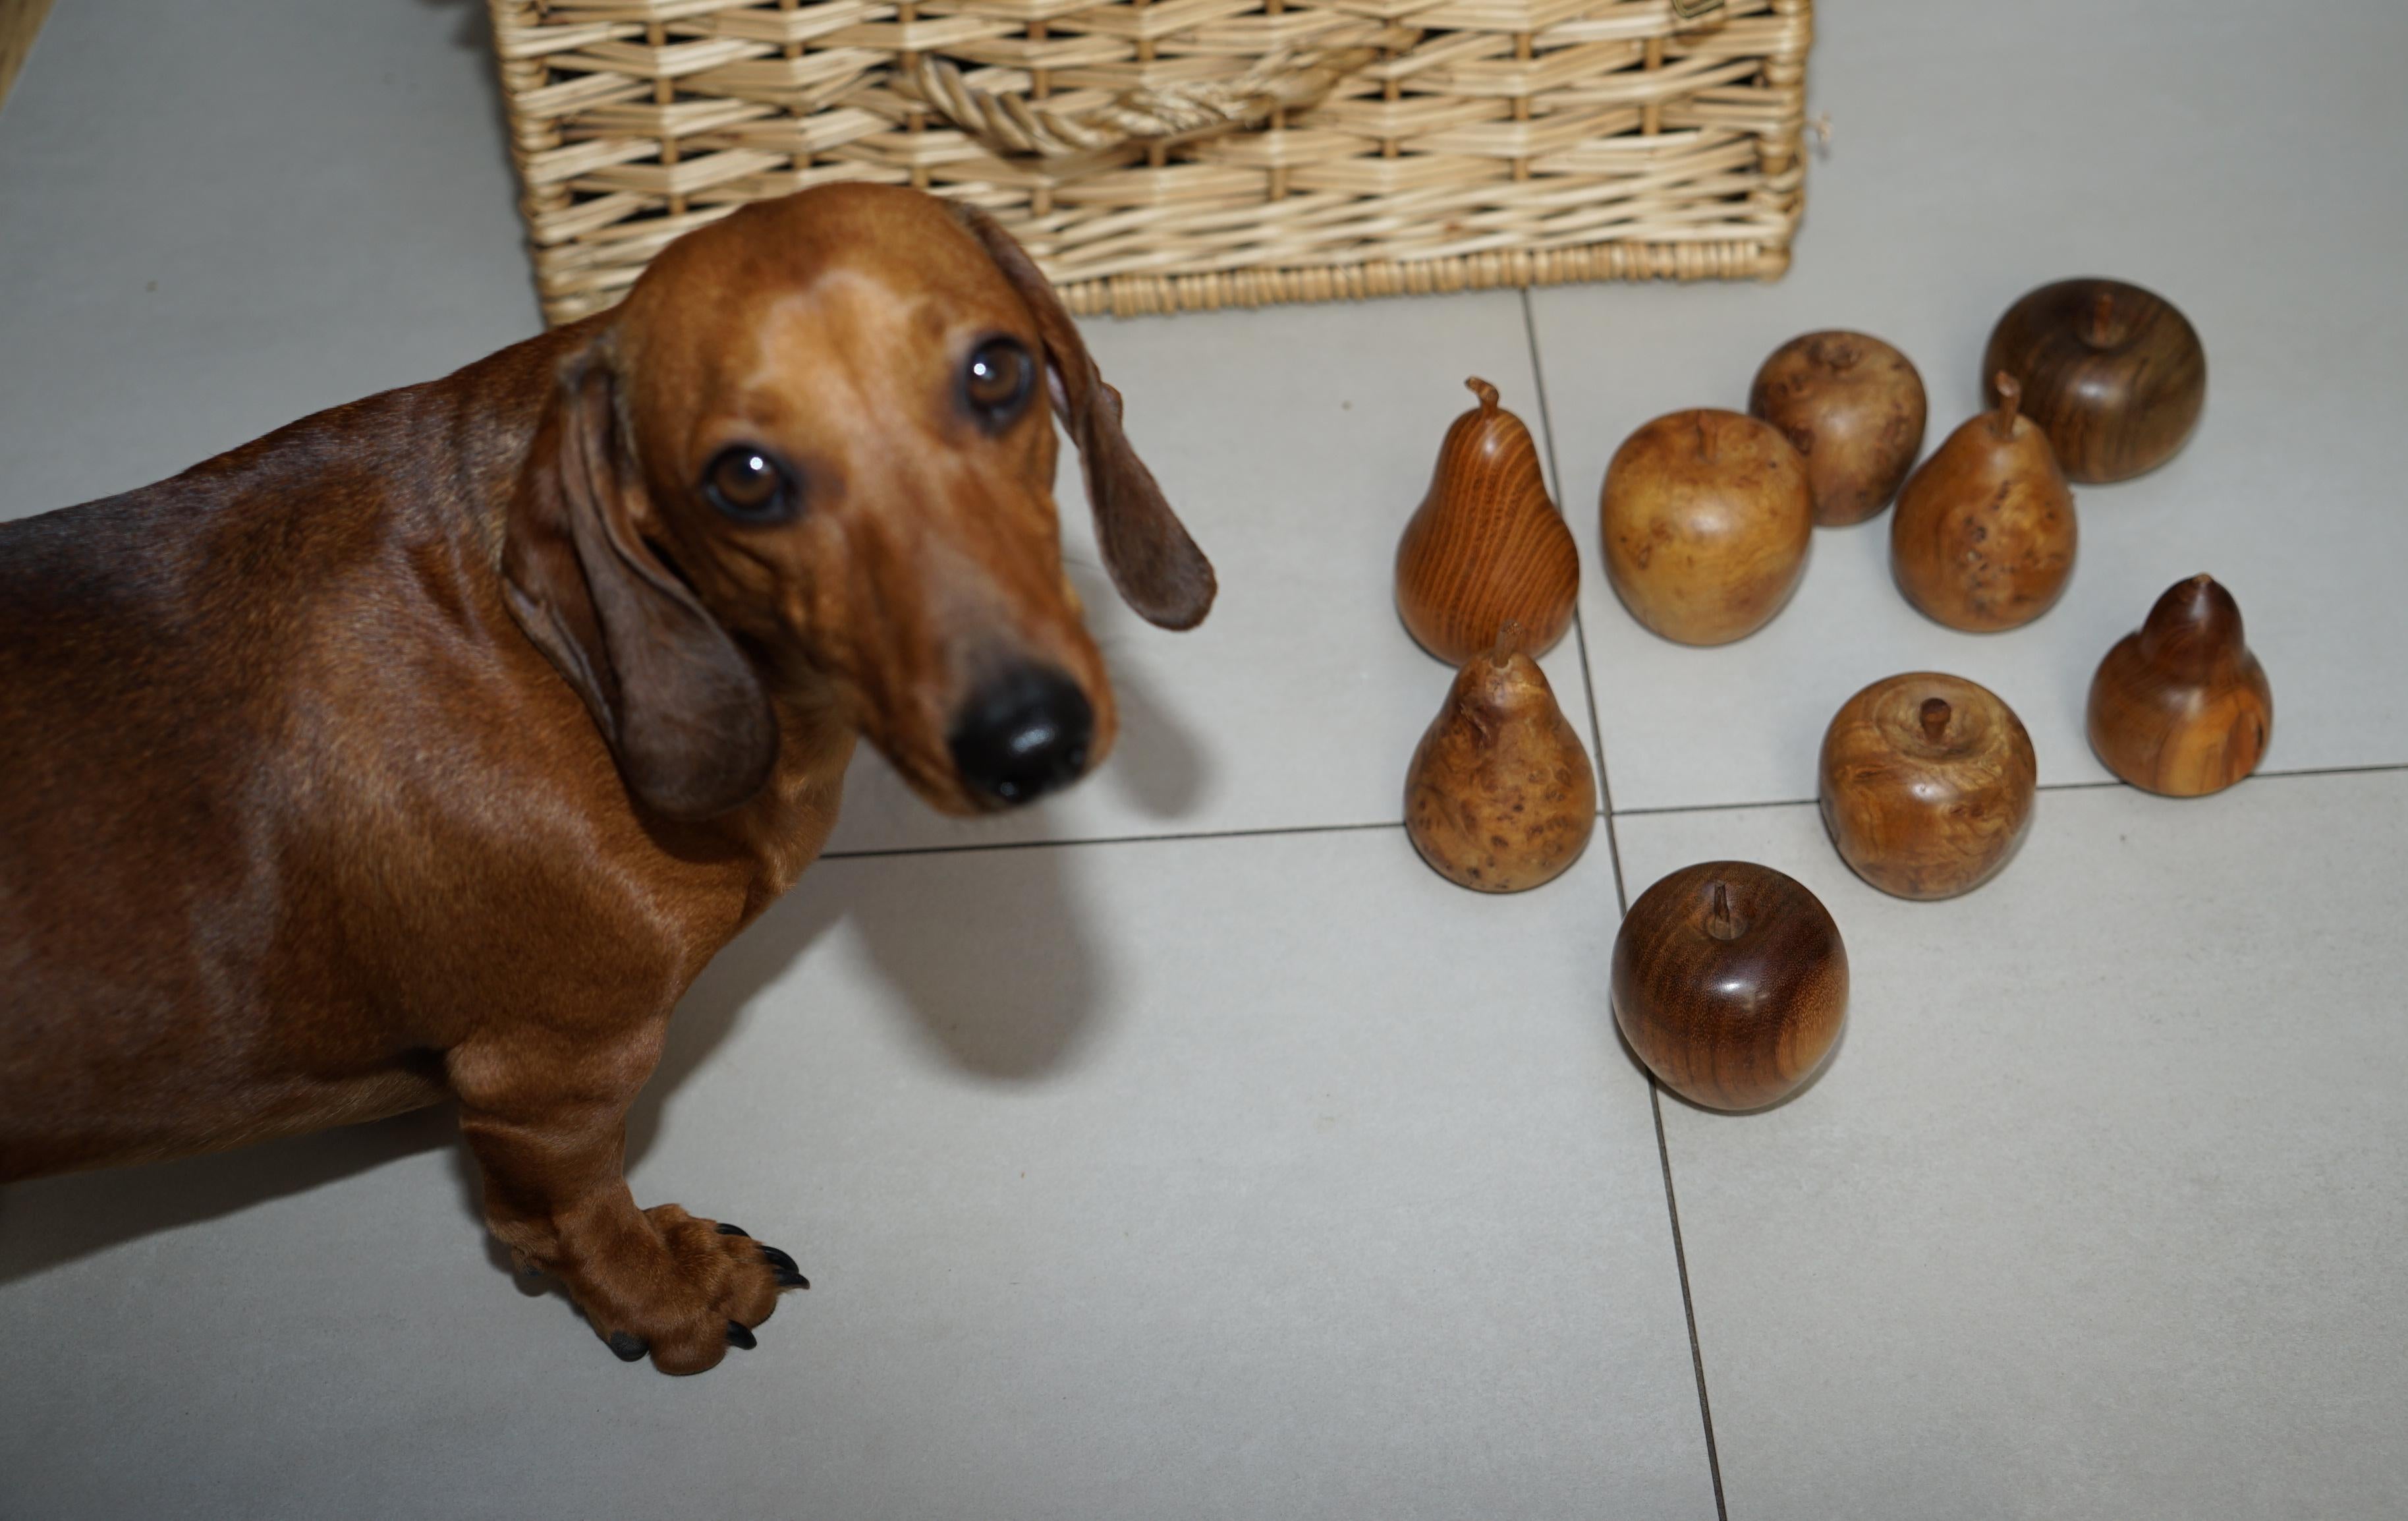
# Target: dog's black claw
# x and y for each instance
(740, 1336)
(727, 1229)
(776, 1258)
(789, 1278)
(628, 1345)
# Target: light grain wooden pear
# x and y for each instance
(1984, 535)
(1486, 547)
(1499, 796)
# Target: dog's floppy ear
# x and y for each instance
(1159, 570)
(687, 719)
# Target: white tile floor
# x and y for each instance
(1243, 1167)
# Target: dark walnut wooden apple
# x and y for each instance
(1984, 536)
(2114, 374)
(1927, 784)
(1706, 518)
(1486, 547)
(1499, 796)
(1852, 408)
(2182, 707)
(1729, 982)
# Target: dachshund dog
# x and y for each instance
(427, 747)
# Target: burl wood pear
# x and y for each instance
(1731, 982)
(1983, 537)
(1854, 408)
(1706, 518)
(1927, 785)
(1499, 796)
(1486, 547)
(2182, 707)
(2114, 374)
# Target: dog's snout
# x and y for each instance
(1022, 735)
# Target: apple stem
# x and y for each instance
(2103, 319)
(1935, 718)
(1487, 392)
(2011, 400)
(1721, 923)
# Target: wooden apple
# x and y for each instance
(1927, 785)
(1706, 518)
(1731, 982)
(2114, 374)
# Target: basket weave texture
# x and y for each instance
(1161, 156)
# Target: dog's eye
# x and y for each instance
(997, 380)
(750, 485)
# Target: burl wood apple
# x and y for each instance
(1854, 408)
(1486, 547)
(1927, 785)
(1501, 797)
(2182, 707)
(1706, 518)
(1731, 982)
(1984, 536)
(2113, 374)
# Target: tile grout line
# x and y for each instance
(979, 846)
(2050, 786)
(1622, 901)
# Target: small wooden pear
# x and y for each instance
(1499, 796)
(1486, 547)
(1983, 537)
(2181, 707)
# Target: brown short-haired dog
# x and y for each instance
(430, 746)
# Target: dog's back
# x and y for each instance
(182, 670)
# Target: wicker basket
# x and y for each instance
(1159, 156)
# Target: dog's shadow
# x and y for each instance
(988, 956)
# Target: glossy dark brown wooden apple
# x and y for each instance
(2114, 374)
(1706, 520)
(1927, 785)
(2182, 707)
(1731, 982)
(1852, 408)
(1501, 797)
(1486, 547)
(1984, 536)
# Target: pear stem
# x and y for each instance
(1935, 715)
(2011, 400)
(1721, 923)
(1487, 392)
(1508, 640)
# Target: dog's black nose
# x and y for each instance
(1022, 735)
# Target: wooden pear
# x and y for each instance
(2182, 707)
(1499, 796)
(1486, 547)
(1983, 537)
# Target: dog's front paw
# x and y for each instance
(706, 1286)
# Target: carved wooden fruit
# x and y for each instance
(1500, 796)
(1984, 535)
(1486, 547)
(1729, 982)
(2182, 707)
(1706, 520)
(1927, 785)
(1852, 408)
(2114, 374)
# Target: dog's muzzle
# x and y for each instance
(1022, 735)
